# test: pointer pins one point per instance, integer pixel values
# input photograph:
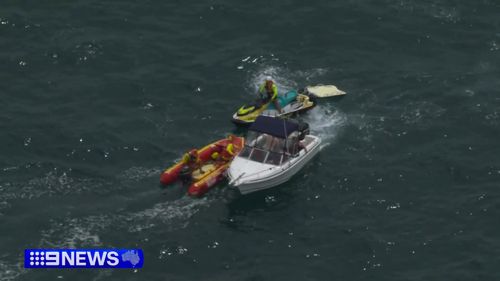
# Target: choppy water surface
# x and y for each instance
(99, 97)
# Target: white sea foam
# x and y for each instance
(284, 78)
(280, 76)
(75, 232)
(139, 173)
(87, 231)
(173, 215)
(10, 271)
(326, 122)
(55, 182)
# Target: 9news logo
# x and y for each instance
(83, 258)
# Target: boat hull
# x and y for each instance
(278, 175)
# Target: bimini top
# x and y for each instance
(274, 126)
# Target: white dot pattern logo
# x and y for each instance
(36, 257)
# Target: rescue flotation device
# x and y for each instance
(212, 162)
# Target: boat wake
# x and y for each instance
(174, 214)
(87, 231)
(44, 181)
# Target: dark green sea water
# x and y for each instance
(98, 97)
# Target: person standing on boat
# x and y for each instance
(270, 90)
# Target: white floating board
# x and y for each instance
(324, 91)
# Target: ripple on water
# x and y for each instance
(436, 9)
(421, 113)
(87, 51)
(139, 173)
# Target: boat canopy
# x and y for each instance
(276, 127)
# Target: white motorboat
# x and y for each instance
(275, 150)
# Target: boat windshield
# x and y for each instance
(264, 148)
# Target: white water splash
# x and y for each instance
(309, 75)
(284, 78)
(280, 76)
(326, 122)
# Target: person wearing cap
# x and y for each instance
(270, 89)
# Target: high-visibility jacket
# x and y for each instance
(228, 153)
(273, 95)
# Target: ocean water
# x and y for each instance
(98, 97)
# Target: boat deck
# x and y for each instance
(308, 140)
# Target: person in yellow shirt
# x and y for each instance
(228, 153)
(191, 159)
(268, 91)
(225, 153)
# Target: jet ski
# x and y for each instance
(212, 162)
(290, 103)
